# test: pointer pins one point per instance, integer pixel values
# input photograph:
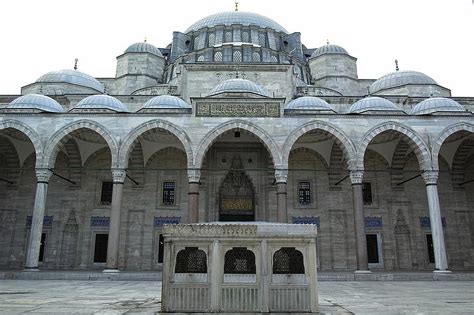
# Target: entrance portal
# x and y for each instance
(236, 195)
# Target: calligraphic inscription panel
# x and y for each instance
(236, 204)
(237, 110)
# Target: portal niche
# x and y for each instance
(236, 194)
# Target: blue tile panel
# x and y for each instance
(306, 220)
(160, 221)
(425, 222)
(100, 221)
(373, 222)
(47, 220)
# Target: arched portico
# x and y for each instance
(443, 135)
(28, 132)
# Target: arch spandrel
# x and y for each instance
(443, 135)
(133, 136)
(212, 136)
(415, 141)
(338, 135)
(63, 134)
(28, 132)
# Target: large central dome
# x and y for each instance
(236, 17)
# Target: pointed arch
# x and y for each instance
(237, 124)
(335, 133)
(443, 135)
(132, 137)
(62, 136)
(27, 131)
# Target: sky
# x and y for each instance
(435, 37)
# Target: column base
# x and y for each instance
(363, 272)
(31, 269)
(442, 271)
(110, 271)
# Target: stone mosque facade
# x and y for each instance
(236, 120)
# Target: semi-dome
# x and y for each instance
(236, 17)
(102, 102)
(72, 77)
(373, 103)
(309, 102)
(329, 49)
(166, 101)
(143, 47)
(37, 102)
(238, 86)
(437, 104)
(400, 78)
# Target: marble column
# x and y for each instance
(431, 181)
(359, 221)
(43, 175)
(194, 176)
(281, 179)
(118, 177)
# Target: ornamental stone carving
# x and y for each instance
(194, 175)
(356, 176)
(118, 175)
(43, 175)
(281, 176)
(210, 230)
(430, 177)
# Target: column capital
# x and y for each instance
(356, 176)
(430, 177)
(43, 175)
(194, 175)
(118, 175)
(281, 176)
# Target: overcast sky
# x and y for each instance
(435, 37)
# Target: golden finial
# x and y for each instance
(396, 65)
(327, 41)
(236, 5)
(145, 39)
(75, 63)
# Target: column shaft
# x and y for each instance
(281, 202)
(193, 202)
(359, 224)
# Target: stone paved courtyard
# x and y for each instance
(137, 297)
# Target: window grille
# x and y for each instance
(212, 39)
(256, 57)
(245, 37)
(273, 58)
(228, 37)
(304, 193)
(239, 260)
(196, 43)
(106, 193)
(200, 58)
(218, 56)
(169, 193)
(367, 193)
(288, 260)
(237, 56)
(262, 39)
(191, 260)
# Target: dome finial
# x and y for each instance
(145, 39)
(75, 63)
(236, 5)
(396, 65)
(327, 41)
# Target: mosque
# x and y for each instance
(236, 120)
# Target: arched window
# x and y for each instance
(228, 37)
(239, 260)
(262, 39)
(288, 260)
(196, 43)
(191, 260)
(212, 39)
(273, 58)
(237, 56)
(200, 58)
(245, 37)
(256, 57)
(218, 56)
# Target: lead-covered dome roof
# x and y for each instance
(309, 102)
(37, 102)
(166, 101)
(329, 49)
(143, 47)
(400, 78)
(373, 103)
(102, 102)
(72, 77)
(437, 104)
(236, 17)
(238, 86)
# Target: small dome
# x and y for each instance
(72, 77)
(400, 78)
(309, 102)
(373, 103)
(329, 49)
(143, 47)
(36, 101)
(437, 104)
(238, 86)
(166, 101)
(236, 17)
(102, 102)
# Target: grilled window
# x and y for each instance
(218, 56)
(200, 58)
(169, 193)
(237, 56)
(191, 260)
(367, 193)
(262, 39)
(304, 193)
(106, 193)
(212, 39)
(256, 57)
(288, 260)
(228, 37)
(239, 260)
(245, 37)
